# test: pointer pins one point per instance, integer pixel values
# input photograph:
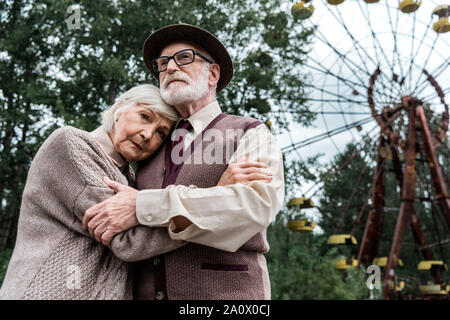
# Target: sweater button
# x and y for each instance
(149, 218)
(159, 295)
(156, 262)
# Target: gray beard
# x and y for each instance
(180, 94)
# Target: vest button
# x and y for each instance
(159, 295)
(156, 262)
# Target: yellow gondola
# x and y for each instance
(408, 6)
(430, 287)
(345, 239)
(299, 223)
(434, 289)
(335, 2)
(442, 25)
(429, 264)
(342, 263)
(382, 262)
(302, 12)
(303, 202)
(342, 241)
(302, 225)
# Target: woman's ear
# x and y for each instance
(214, 75)
(118, 111)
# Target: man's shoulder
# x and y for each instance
(244, 122)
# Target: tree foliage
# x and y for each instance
(52, 75)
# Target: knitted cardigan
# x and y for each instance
(54, 257)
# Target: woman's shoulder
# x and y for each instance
(62, 134)
(78, 149)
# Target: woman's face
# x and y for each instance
(138, 132)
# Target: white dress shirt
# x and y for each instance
(223, 217)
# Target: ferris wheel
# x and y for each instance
(379, 75)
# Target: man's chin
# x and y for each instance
(176, 84)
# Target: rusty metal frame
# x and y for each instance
(407, 205)
(372, 232)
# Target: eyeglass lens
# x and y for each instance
(181, 58)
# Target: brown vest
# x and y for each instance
(196, 271)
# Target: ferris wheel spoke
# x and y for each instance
(395, 49)
(344, 59)
(323, 39)
(325, 135)
(426, 62)
(350, 84)
(348, 61)
(376, 43)
(435, 73)
(434, 94)
(413, 55)
(340, 97)
(357, 148)
(413, 36)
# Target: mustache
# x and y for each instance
(176, 76)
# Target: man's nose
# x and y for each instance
(172, 66)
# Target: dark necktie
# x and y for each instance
(186, 126)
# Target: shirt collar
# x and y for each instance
(204, 116)
(101, 136)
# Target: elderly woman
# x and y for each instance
(54, 256)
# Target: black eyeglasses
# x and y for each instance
(181, 58)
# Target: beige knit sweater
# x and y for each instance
(54, 257)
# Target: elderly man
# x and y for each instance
(224, 225)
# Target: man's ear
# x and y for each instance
(214, 75)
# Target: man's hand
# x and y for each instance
(245, 172)
(114, 215)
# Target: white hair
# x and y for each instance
(146, 94)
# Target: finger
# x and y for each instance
(255, 164)
(257, 176)
(250, 170)
(98, 232)
(92, 212)
(89, 214)
(114, 185)
(107, 237)
(94, 223)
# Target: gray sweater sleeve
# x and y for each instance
(86, 164)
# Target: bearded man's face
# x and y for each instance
(183, 84)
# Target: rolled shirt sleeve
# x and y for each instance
(223, 217)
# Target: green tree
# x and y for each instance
(302, 267)
(52, 75)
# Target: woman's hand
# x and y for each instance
(245, 172)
